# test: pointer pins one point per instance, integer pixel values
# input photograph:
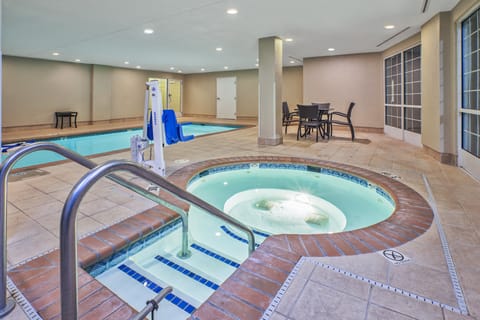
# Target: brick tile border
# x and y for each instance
(251, 288)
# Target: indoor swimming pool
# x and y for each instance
(98, 143)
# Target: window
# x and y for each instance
(403, 90)
(393, 91)
(471, 84)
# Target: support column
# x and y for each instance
(270, 91)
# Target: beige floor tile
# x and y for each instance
(33, 202)
(96, 206)
(328, 304)
(87, 225)
(340, 282)
(424, 281)
(372, 265)
(405, 305)
(31, 247)
(288, 301)
(117, 213)
(379, 313)
(277, 316)
(17, 314)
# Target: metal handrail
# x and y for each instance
(152, 305)
(68, 230)
(7, 305)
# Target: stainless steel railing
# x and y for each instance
(7, 305)
(68, 236)
(152, 305)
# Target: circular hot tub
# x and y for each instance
(280, 198)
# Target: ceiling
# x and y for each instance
(187, 32)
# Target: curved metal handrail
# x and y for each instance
(152, 305)
(68, 236)
(7, 305)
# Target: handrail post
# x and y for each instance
(68, 230)
(6, 304)
(152, 304)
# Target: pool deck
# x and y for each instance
(314, 291)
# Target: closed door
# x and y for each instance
(175, 95)
(162, 85)
(227, 98)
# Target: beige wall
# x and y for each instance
(440, 86)
(200, 91)
(342, 79)
(431, 84)
(34, 89)
(292, 89)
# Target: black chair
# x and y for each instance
(347, 122)
(288, 117)
(309, 118)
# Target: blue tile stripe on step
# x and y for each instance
(234, 236)
(261, 233)
(188, 273)
(215, 255)
(179, 302)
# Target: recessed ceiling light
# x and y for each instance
(148, 31)
(390, 26)
(226, 68)
(203, 69)
(331, 49)
(256, 65)
(288, 39)
(126, 62)
(219, 49)
(292, 61)
(179, 71)
(55, 54)
(172, 68)
(77, 60)
(232, 11)
(138, 67)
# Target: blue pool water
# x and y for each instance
(323, 200)
(91, 144)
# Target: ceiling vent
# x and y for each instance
(392, 37)
(425, 5)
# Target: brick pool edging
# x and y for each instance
(248, 292)
(250, 289)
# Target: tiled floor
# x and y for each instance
(35, 201)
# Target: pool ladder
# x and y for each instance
(68, 232)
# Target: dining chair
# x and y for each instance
(288, 117)
(345, 119)
(309, 119)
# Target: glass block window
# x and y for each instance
(412, 119)
(403, 90)
(471, 136)
(393, 116)
(412, 79)
(393, 80)
(471, 83)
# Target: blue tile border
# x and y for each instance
(215, 255)
(100, 267)
(179, 302)
(235, 236)
(293, 166)
(209, 284)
